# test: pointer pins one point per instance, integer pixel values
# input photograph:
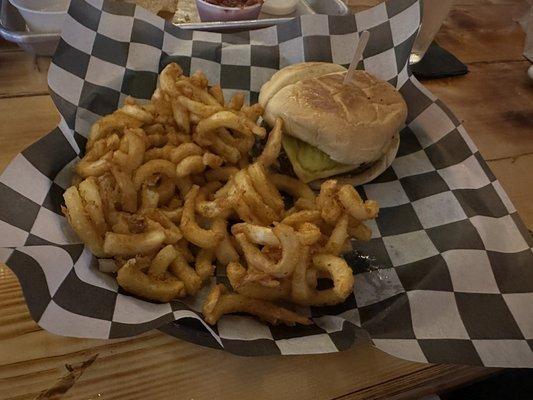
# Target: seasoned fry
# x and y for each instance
(121, 225)
(149, 198)
(257, 234)
(178, 154)
(165, 189)
(252, 112)
(161, 261)
(197, 93)
(237, 276)
(134, 111)
(127, 190)
(172, 214)
(110, 195)
(157, 140)
(204, 238)
(198, 108)
(116, 244)
(265, 188)
(151, 168)
(342, 276)
(237, 101)
(211, 208)
(199, 79)
(330, 208)
(253, 199)
(273, 145)
(227, 119)
(243, 143)
(97, 161)
(301, 217)
(183, 247)
(133, 280)
(75, 213)
(181, 116)
(181, 268)
(222, 174)
(94, 207)
(189, 166)
(309, 234)
(289, 244)
(109, 125)
(353, 204)
(88, 167)
(292, 186)
(183, 185)
(168, 77)
(301, 291)
(338, 237)
(216, 92)
(225, 251)
(212, 160)
(159, 152)
(204, 264)
(171, 231)
(359, 230)
(228, 152)
(219, 303)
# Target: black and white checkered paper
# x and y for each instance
(451, 263)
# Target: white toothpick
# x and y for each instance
(361, 45)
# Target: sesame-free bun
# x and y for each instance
(295, 73)
(352, 123)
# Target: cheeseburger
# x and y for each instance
(333, 128)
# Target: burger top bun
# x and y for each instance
(294, 73)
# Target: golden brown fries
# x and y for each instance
(132, 279)
(273, 146)
(219, 302)
(168, 192)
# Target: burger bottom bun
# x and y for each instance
(376, 169)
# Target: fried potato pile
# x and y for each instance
(168, 192)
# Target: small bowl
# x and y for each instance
(42, 15)
(212, 13)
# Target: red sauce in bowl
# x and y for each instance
(234, 3)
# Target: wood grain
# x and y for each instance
(484, 34)
(8, 46)
(22, 75)
(516, 177)
(421, 383)
(24, 120)
(495, 102)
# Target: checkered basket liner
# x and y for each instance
(447, 276)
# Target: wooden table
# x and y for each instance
(495, 100)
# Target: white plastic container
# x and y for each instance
(279, 7)
(42, 15)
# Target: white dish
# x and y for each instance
(42, 15)
(279, 7)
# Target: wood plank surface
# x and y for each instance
(484, 34)
(495, 101)
(516, 176)
(24, 120)
(22, 75)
